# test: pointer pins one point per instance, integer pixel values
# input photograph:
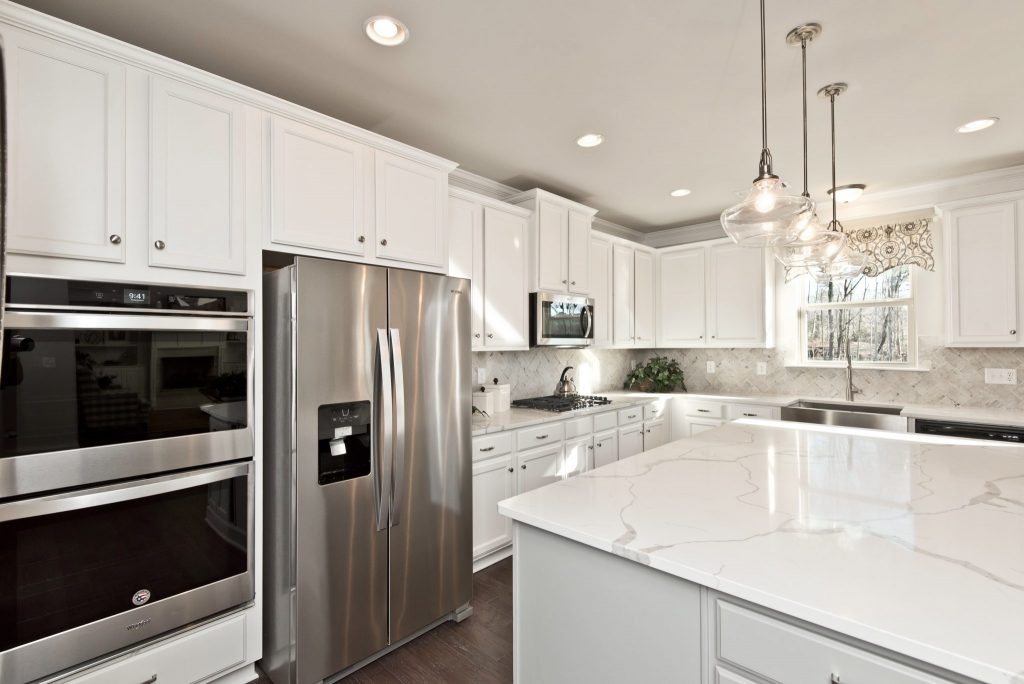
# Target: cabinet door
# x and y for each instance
(552, 247)
(578, 456)
(695, 426)
(504, 278)
(197, 179)
(318, 189)
(492, 482)
(601, 290)
(982, 260)
(681, 295)
(411, 206)
(737, 302)
(579, 252)
(631, 441)
(66, 147)
(623, 288)
(643, 299)
(606, 448)
(655, 434)
(539, 467)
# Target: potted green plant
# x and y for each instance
(659, 374)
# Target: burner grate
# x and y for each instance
(562, 404)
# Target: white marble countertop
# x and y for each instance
(911, 542)
(756, 399)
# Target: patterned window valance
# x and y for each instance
(895, 244)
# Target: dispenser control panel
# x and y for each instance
(344, 441)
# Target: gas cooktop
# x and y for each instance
(562, 404)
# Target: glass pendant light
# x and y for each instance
(768, 214)
(814, 245)
(849, 263)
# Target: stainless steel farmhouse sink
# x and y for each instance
(870, 416)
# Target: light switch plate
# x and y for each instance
(481, 375)
(1001, 376)
(762, 368)
(711, 367)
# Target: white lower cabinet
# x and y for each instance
(695, 426)
(578, 456)
(538, 467)
(631, 440)
(493, 480)
(655, 434)
(606, 448)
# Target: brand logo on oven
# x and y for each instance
(138, 625)
(141, 597)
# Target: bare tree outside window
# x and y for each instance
(875, 315)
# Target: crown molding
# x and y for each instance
(467, 180)
(608, 228)
(681, 235)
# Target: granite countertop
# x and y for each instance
(910, 542)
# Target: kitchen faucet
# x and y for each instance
(851, 389)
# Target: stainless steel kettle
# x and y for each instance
(565, 387)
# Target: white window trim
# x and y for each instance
(909, 302)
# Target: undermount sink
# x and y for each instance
(868, 416)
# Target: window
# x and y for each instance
(873, 317)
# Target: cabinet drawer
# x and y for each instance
(605, 421)
(193, 658)
(736, 411)
(548, 433)
(655, 410)
(634, 414)
(704, 409)
(490, 446)
(783, 652)
(578, 427)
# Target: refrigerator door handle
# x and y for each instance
(385, 408)
(398, 377)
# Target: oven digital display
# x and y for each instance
(136, 297)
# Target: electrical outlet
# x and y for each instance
(1001, 376)
(762, 368)
(711, 367)
(481, 375)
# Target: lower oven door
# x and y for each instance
(89, 572)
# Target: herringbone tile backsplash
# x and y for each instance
(956, 375)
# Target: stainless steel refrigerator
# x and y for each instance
(368, 523)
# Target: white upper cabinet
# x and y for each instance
(623, 289)
(737, 283)
(601, 289)
(559, 253)
(715, 294)
(318, 188)
(465, 221)
(579, 252)
(681, 318)
(982, 245)
(197, 178)
(504, 288)
(66, 120)
(411, 203)
(643, 300)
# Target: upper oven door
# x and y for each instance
(561, 321)
(95, 397)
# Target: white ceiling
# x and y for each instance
(504, 88)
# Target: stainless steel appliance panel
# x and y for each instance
(558, 320)
(431, 521)
(341, 555)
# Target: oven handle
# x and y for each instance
(127, 491)
(38, 320)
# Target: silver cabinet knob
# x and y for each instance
(701, 337)
(490, 336)
(159, 244)
(384, 242)
(476, 335)
(361, 238)
(590, 447)
(511, 469)
(564, 282)
(523, 466)
(1012, 332)
(115, 239)
(835, 678)
(599, 445)
(573, 282)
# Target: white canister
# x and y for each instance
(504, 401)
(485, 401)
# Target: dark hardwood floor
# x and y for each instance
(476, 651)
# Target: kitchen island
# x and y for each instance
(775, 552)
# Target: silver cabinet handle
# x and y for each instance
(361, 238)
(115, 239)
(159, 244)
(149, 681)
(490, 448)
(703, 411)
(384, 242)
(631, 417)
(523, 466)
(511, 469)
(542, 436)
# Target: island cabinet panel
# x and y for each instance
(641, 626)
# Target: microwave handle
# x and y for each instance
(101, 496)
(587, 311)
(46, 320)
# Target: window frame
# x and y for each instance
(909, 302)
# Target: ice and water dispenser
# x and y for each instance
(344, 441)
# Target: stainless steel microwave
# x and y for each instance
(561, 320)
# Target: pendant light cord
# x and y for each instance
(803, 57)
(832, 107)
(765, 166)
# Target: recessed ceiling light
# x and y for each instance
(590, 140)
(681, 192)
(386, 31)
(848, 193)
(978, 124)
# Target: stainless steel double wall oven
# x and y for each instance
(126, 475)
